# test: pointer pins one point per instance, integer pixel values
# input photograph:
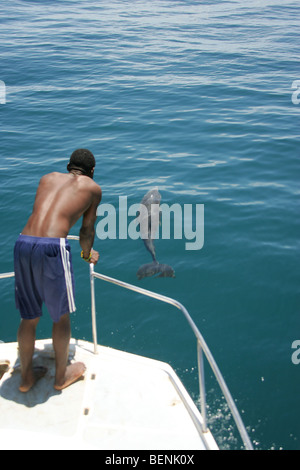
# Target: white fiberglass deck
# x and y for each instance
(124, 402)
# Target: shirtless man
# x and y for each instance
(43, 264)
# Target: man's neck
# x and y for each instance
(76, 173)
(80, 173)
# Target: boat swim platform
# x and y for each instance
(124, 402)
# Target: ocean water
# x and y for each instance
(201, 100)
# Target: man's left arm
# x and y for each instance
(87, 231)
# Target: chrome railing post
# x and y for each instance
(93, 308)
(202, 390)
(93, 302)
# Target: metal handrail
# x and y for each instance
(7, 275)
(201, 348)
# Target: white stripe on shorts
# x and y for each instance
(65, 256)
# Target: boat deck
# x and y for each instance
(124, 402)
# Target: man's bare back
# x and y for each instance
(61, 200)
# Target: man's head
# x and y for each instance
(82, 160)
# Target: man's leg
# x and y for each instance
(65, 375)
(26, 340)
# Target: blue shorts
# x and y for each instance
(43, 274)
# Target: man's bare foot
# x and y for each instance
(4, 366)
(73, 373)
(36, 374)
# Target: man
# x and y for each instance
(43, 265)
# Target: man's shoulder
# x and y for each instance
(54, 174)
(96, 189)
(47, 179)
(91, 185)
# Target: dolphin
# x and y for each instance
(149, 218)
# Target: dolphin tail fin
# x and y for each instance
(151, 269)
(166, 271)
(147, 270)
